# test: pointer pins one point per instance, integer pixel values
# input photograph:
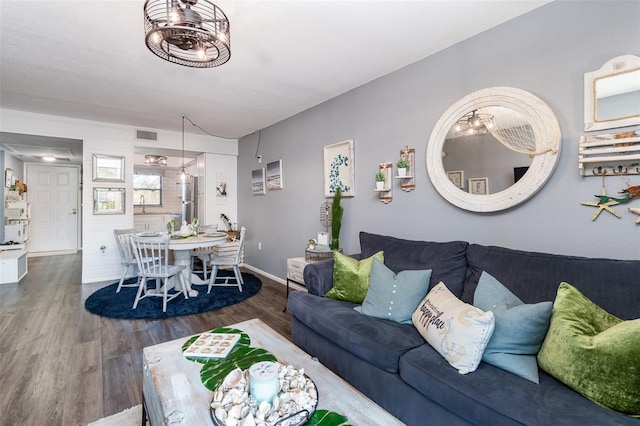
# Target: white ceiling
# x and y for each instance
(87, 59)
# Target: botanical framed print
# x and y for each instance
(479, 186)
(108, 201)
(339, 169)
(457, 178)
(107, 168)
(274, 175)
(258, 182)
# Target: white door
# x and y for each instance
(53, 194)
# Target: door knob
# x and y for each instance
(74, 211)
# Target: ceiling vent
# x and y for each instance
(146, 135)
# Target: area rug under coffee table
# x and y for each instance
(107, 303)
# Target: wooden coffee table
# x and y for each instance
(173, 393)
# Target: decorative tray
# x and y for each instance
(212, 345)
(295, 403)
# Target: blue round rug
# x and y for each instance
(106, 303)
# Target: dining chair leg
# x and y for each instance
(164, 296)
(214, 273)
(204, 266)
(143, 283)
(124, 274)
(236, 271)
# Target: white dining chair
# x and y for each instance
(157, 247)
(203, 253)
(127, 257)
(228, 261)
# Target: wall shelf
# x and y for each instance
(386, 194)
(610, 154)
(408, 182)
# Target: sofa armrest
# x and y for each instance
(318, 277)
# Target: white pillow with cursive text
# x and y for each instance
(458, 331)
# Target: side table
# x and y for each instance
(295, 273)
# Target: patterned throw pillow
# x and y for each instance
(351, 277)
(593, 352)
(394, 296)
(458, 331)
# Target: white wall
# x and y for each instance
(108, 139)
(545, 52)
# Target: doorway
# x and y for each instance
(55, 216)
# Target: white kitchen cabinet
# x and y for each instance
(150, 222)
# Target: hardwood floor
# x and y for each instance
(61, 365)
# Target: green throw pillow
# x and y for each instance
(351, 277)
(393, 296)
(593, 352)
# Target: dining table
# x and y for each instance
(183, 246)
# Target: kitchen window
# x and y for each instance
(147, 190)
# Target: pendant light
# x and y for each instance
(183, 169)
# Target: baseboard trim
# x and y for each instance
(292, 284)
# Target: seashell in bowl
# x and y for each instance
(233, 379)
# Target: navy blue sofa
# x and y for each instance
(393, 365)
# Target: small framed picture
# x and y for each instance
(479, 186)
(258, 182)
(339, 169)
(457, 178)
(107, 168)
(274, 175)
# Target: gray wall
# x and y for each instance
(545, 52)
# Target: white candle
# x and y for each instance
(263, 381)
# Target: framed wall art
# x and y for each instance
(107, 168)
(274, 175)
(339, 169)
(479, 186)
(457, 178)
(108, 201)
(258, 182)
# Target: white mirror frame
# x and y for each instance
(545, 128)
(619, 65)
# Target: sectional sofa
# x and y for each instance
(393, 365)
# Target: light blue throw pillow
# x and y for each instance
(519, 331)
(394, 296)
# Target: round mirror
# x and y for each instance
(493, 149)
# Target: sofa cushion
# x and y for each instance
(394, 296)
(492, 396)
(379, 342)
(446, 260)
(458, 331)
(593, 352)
(535, 277)
(519, 331)
(351, 277)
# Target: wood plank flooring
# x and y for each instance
(61, 365)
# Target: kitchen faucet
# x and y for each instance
(142, 203)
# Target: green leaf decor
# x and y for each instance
(327, 418)
(214, 371)
(244, 342)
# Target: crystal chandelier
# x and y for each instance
(473, 124)
(193, 33)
